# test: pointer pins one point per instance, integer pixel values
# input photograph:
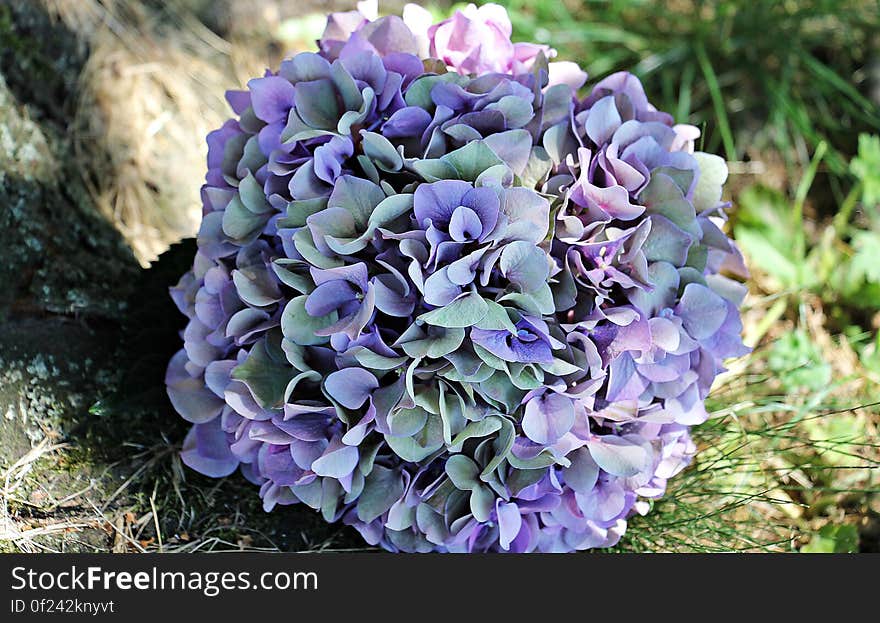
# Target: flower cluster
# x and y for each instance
(442, 299)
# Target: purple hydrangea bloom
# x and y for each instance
(442, 299)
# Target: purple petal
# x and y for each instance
(548, 417)
(486, 204)
(337, 461)
(509, 522)
(218, 375)
(305, 453)
(406, 122)
(583, 472)
(439, 289)
(603, 120)
(702, 311)
(619, 456)
(277, 465)
(238, 100)
(266, 431)
(355, 273)
(567, 72)
(436, 202)
(306, 426)
(272, 98)
(465, 225)
(328, 296)
(206, 450)
(531, 351)
(350, 387)
(390, 34)
(189, 396)
(604, 503)
(330, 156)
(613, 201)
(462, 271)
(624, 383)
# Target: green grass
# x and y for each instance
(756, 74)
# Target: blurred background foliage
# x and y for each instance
(788, 91)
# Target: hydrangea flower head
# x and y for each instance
(442, 298)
